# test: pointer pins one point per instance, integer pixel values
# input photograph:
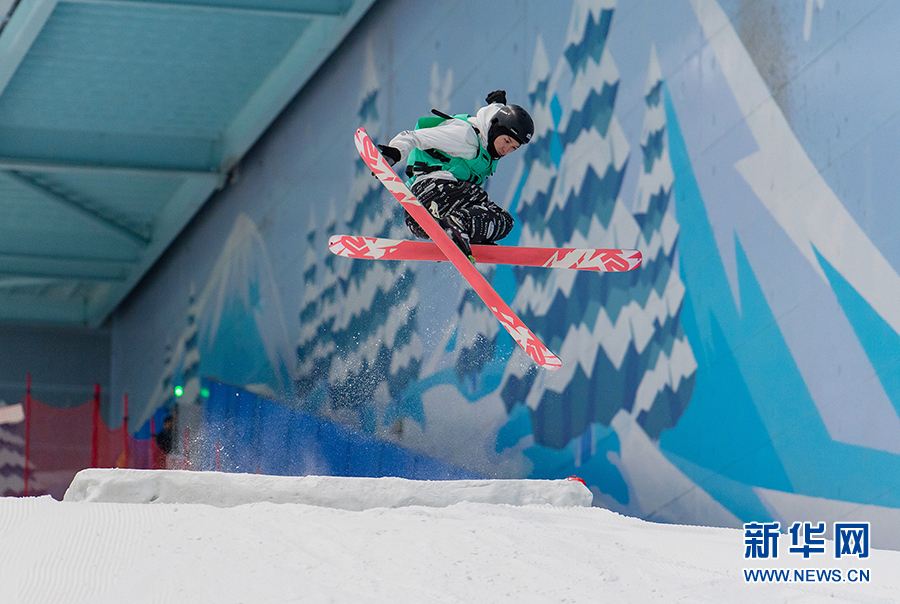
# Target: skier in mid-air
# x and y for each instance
(449, 158)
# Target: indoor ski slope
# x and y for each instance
(192, 537)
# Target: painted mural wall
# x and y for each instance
(748, 371)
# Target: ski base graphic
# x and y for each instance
(588, 259)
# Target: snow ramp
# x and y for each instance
(339, 492)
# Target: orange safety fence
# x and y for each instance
(114, 448)
(57, 446)
(41, 455)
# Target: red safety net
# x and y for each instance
(112, 447)
(57, 446)
(58, 443)
(115, 448)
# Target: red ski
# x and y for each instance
(523, 336)
(587, 259)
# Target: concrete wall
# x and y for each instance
(748, 370)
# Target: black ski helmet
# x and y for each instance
(512, 120)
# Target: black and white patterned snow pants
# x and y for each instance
(463, 205)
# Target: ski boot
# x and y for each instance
(454, 229)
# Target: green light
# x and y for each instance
(204, 392)
(179, 391)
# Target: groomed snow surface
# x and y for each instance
(132, 536)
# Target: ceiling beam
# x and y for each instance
(19, 34)
(61, 267)
(35, 309)
(200, 5)
(78, 205)
(18, 281)
(23, 165)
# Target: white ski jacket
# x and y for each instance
(451, 137)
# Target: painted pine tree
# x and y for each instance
(666, 384)
(369, 308)
(12, 459)
(164, 393)
(606, 327)
(190, 371)
(320, 309)
(315, 345)
(541, 158)
(179, 382)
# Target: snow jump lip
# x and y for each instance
(224, 490)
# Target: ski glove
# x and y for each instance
(498, 96)
(391, 154)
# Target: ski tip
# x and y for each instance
(336, 245)
(552, 362)
(360, 138)
(637, 258)
(543, 357)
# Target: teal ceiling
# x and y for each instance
(118, 120)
